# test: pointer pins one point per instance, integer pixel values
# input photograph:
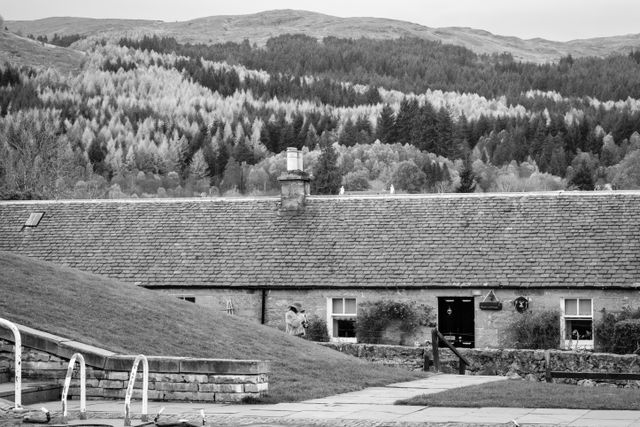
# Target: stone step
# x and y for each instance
(32, 392)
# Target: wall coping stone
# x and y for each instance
(224, 366)
(108, 360)
(124, 362)
(57, 345)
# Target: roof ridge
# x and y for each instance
(549, 194)
(140, 201)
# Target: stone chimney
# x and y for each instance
(294, 184)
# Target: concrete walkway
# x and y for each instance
(370, 407)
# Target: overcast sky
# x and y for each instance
(551, 19)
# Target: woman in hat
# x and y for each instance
(294, 320)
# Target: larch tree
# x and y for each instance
(198, 167)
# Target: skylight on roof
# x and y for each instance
(34, 219)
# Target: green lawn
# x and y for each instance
(525, 394)
(125, 318)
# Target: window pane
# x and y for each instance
(578, 329)
(570, 307)
(350, 306)
(344, 328)
(584, 307)
(337, 306)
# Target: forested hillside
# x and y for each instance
(154, 118)
(416, 65)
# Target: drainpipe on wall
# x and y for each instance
(263, 318)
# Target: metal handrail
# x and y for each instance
(145, 387)
(18, 361)
(83, 387)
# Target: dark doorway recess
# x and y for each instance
(455, 320)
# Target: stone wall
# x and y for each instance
(489, 326)
(527, 364)
(410, 358)
(46, 357)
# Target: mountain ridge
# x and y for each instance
(259, 27)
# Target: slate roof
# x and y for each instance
(495, 240)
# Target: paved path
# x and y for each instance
(370, 407)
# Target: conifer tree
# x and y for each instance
(311, 139)
(384, 127)
(327, 178)
(349, 134)
(467, 178)
(233, 176)
(583, 178)
(405, 120)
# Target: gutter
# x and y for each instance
(631, 287)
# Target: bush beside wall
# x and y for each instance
(316, 330)
(626, 336)
(605, 331)
(392, 322)
(535, 330)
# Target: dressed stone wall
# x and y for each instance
(46, 357)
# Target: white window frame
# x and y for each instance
(331, 315)
(568, 343)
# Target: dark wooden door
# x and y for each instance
(456, 320)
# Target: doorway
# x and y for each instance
(456, 320)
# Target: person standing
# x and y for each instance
(294, 320)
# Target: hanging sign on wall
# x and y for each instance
(521, 304)
(490, 302)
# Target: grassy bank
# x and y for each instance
(125, 318)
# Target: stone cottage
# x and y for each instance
(477, 259)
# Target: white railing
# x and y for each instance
(145, 387)
(17, 367)
(83, 387)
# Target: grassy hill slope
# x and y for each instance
(21, 51)
(260, 26)
(125, 318)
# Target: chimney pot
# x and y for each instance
(292, 159)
